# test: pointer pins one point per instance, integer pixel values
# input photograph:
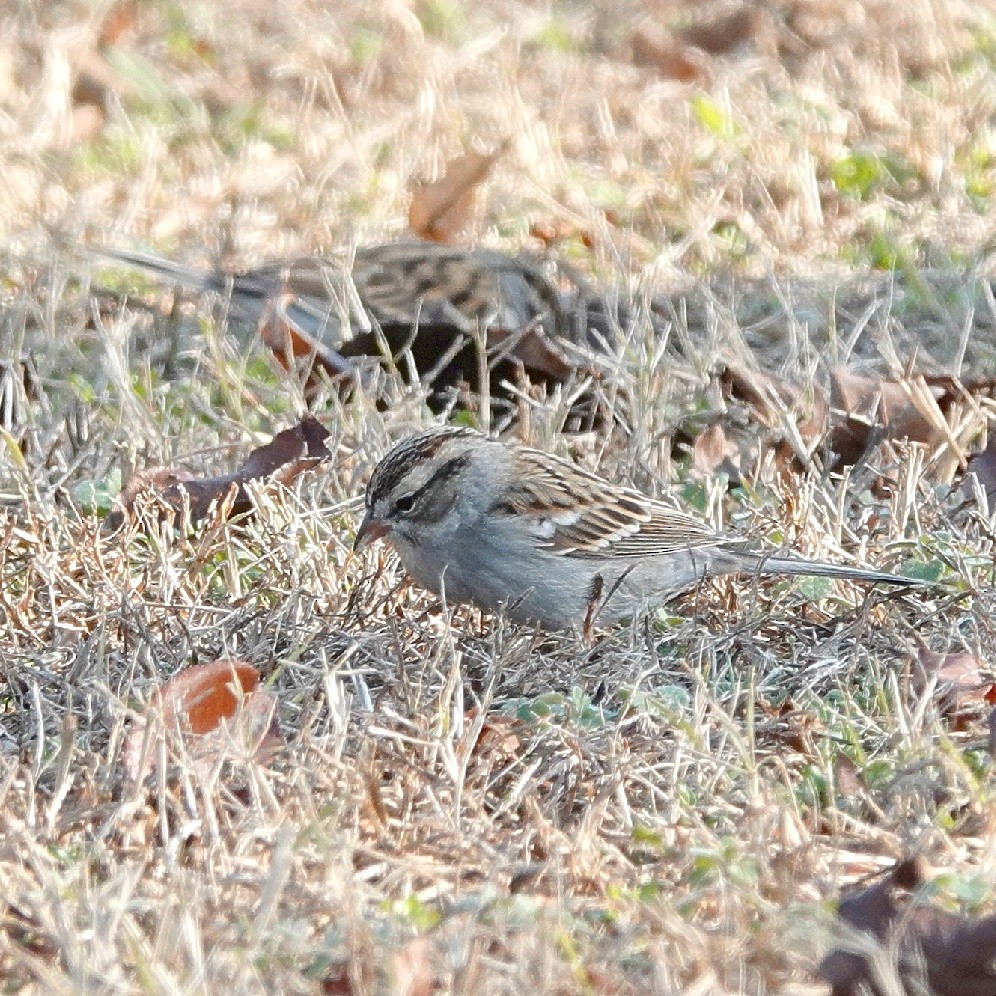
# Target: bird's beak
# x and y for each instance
(370, 529)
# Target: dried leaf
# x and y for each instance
(734, 29)
(791, 728)
(440, 209)
(962, 679)
(713, 453)
(531, 347)
(870, 403)
(674, 61)
(199, 697)
(119, 19)
(798, 417)
(293, 345)
(195, 702)
(281, 460)
(155, 480)
(499, 737)
(937, 951)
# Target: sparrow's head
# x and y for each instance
(417, 484)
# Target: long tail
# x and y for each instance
(162, 267)
(249, 297)
(820, 568)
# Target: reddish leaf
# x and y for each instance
(797, 417)
(673, 60)
(533, 349)
(196, 701)
(769, 396)
(440, 209)
(119, 19)
(870, 403)
(199, 697)
(499, 736)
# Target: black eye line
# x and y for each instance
(452, 467)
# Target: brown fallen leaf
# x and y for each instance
(771, 397)
(499, 736)
(871, 404)
(673, 60)
(734, 29)
(963, 680)
(441, 208)
(797, 417)
(192, 707)
(531, 347)
(713, 453)
(119, 20)
(199, 697)
(935, 951)
(790, 728)
(280, 461)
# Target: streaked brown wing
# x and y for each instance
(610, 521)
(404, 283)
(409, 282)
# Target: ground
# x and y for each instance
(447, 802)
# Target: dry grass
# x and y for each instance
(458, 802)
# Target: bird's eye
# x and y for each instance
(404, 504)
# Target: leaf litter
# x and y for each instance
(647, 836)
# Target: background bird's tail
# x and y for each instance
(188, 276)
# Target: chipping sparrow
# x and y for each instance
(420, 296)
(497, 524)
(402, 283)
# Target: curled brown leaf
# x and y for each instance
(281, 460)
(441, 208)
(714, 453)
